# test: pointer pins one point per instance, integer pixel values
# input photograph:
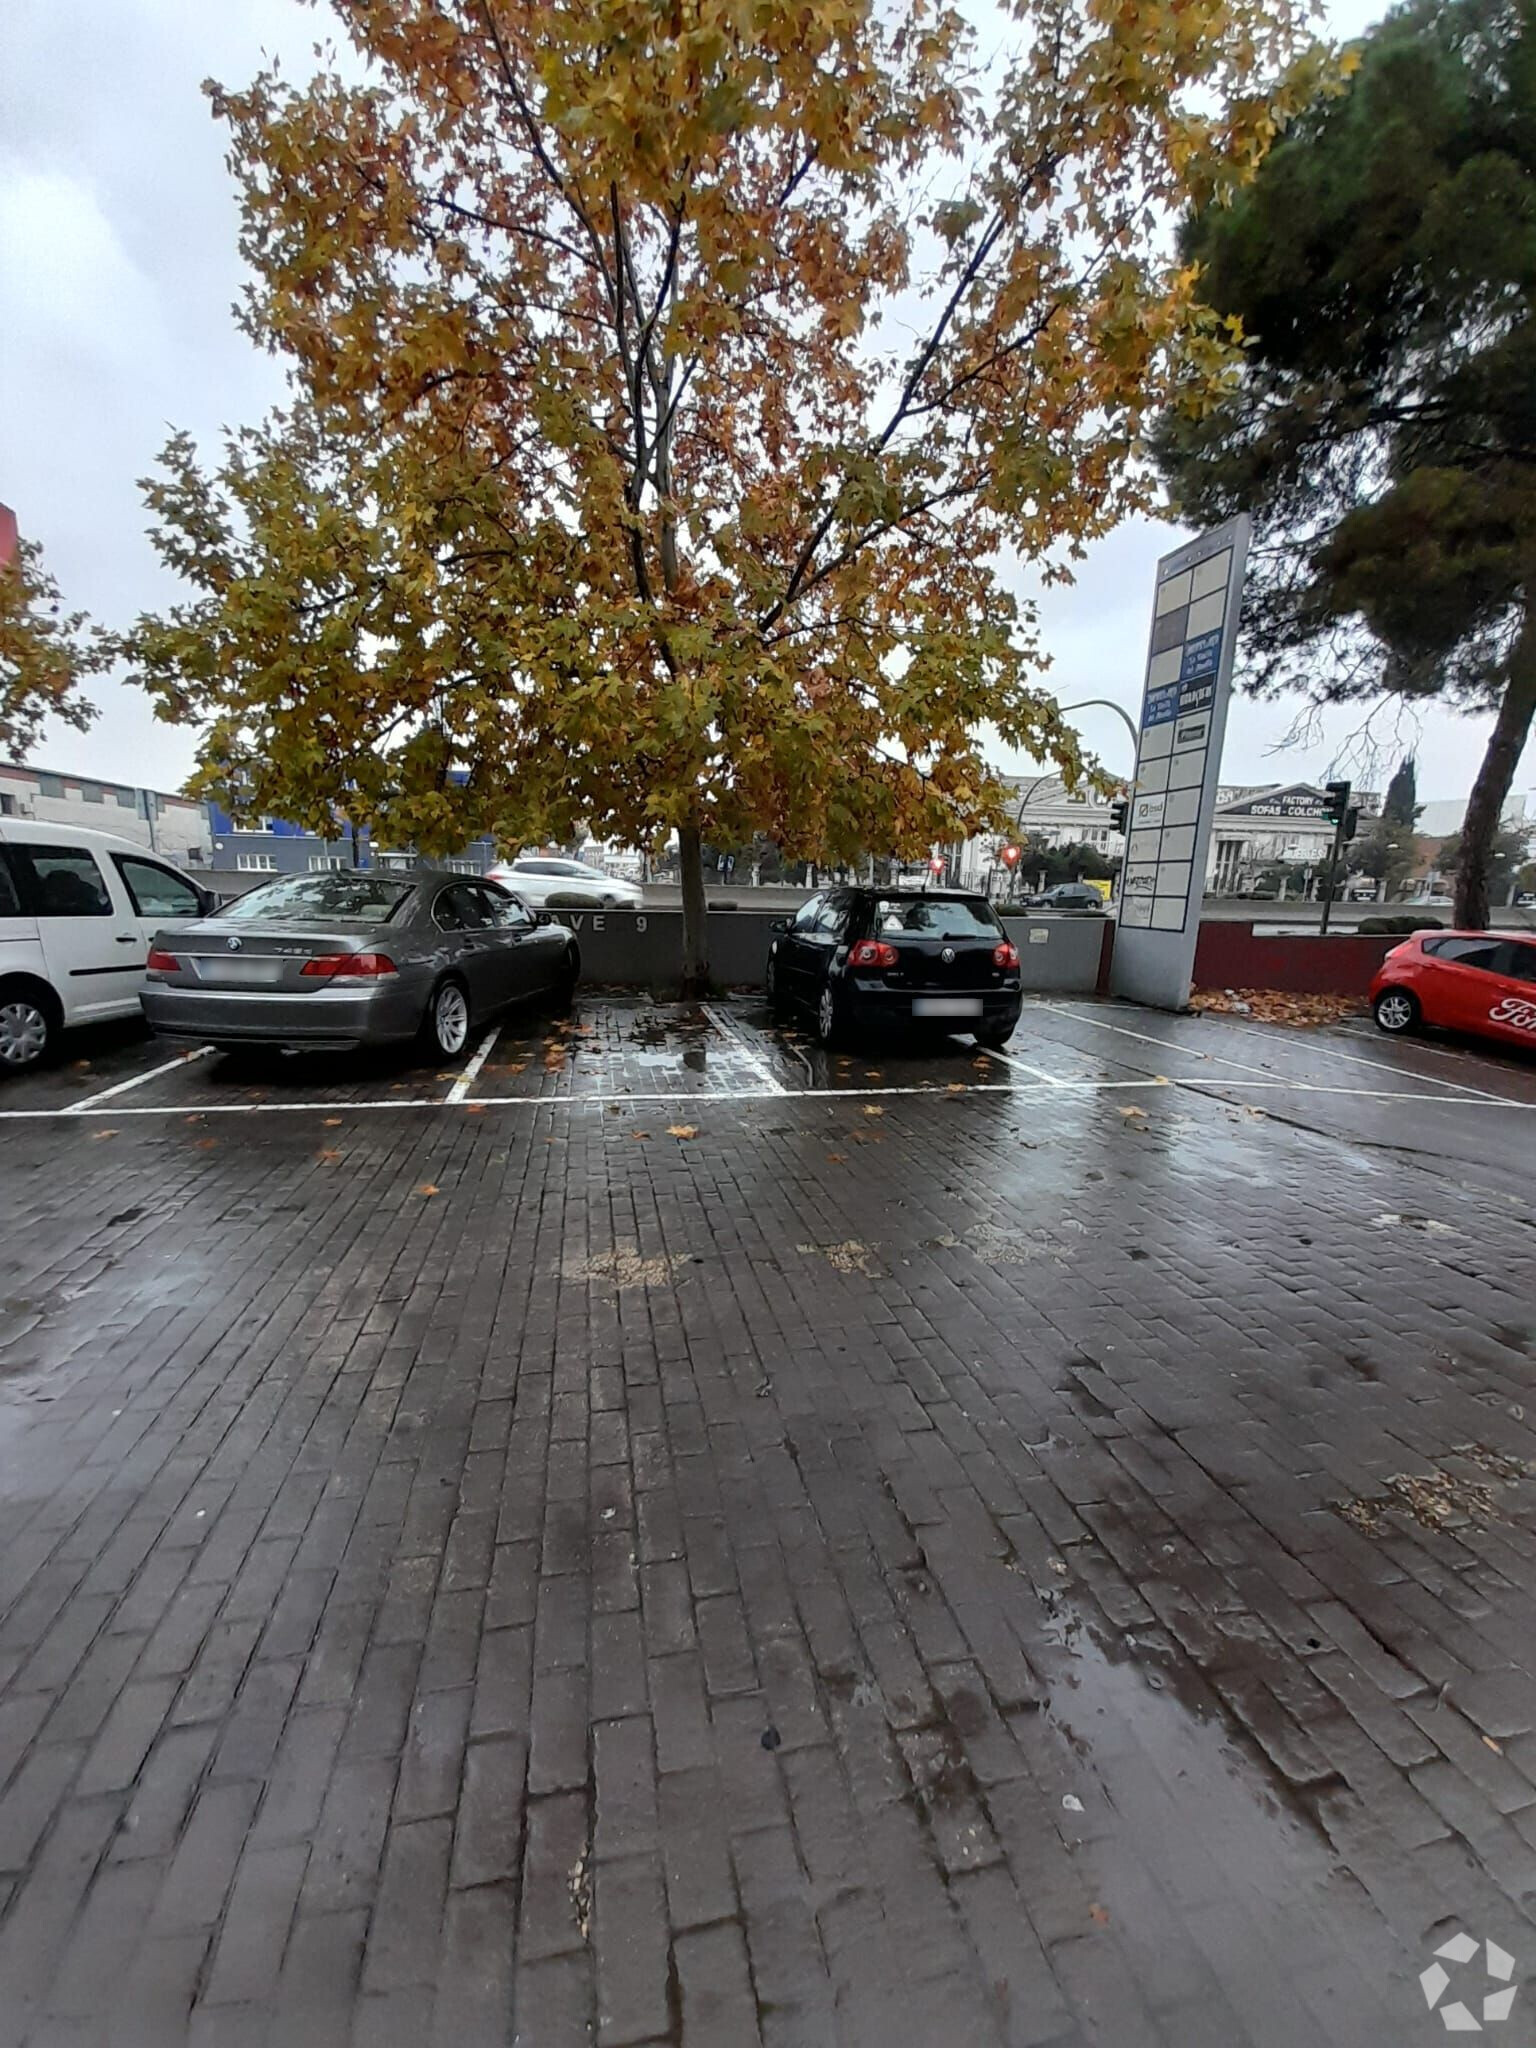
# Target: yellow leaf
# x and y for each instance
(427, 1188)
(682, 1130)
(873, 1109)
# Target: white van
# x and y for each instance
(77, 912)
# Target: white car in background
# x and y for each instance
(78, 910)
(540, 878)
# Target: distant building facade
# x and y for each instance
(1257, 827)
(171, 825)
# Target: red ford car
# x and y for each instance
(1466, 981)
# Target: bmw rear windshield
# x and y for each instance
(360, 896)
(936, 917)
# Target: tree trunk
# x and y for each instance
(1485, 806)
(690, 851)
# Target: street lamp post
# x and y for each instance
(1108, 704)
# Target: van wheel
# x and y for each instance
(30, 1022)
(1397, 1011)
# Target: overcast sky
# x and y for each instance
(117, 273)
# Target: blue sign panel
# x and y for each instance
(1161, 705)
(1202, 656)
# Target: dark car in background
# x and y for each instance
(861, 960)
(1068, 896)
(359, 957)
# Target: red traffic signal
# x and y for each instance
(1010, 856)
(936, 864)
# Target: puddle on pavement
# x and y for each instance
(1124, 1702)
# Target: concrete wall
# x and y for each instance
(644, 948)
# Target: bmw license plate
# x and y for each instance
(946, 1006)
(230, 970)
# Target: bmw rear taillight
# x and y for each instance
(355, 966)
(1005, 955)
(873, 953)
(161, 963)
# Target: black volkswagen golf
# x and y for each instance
(867, 958)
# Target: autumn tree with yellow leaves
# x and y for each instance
(672, 382)
(46, 653)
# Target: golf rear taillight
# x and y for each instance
(355, 966)
(1005, 955)
(162, 963)
(873, 953)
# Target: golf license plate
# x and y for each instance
(946, 1006)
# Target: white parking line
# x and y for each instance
(750, 1056)
(1147, 1038)
(1011, 1059)
(1055, 1090)
(471, 1073)
(1242, 1066)
(182, 1059)
(1357, 1059)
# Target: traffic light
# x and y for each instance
(1337, 804)
(1351, 821)
(1010, 856)
(1118, 813)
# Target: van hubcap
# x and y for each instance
(23, 1034)
(452, 1020)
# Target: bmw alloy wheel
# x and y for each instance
(450, 1018)
(23, 1033)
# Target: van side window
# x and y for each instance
(66, 881)
(156, 892)
(10, 900)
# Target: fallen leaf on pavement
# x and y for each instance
(955, 1088)
(104, 1134)
(206, 1144)
(332, 1119)
(638, 1134)
(838, 1158)
(1496, 1747)
(873, 1109)
(1133, 1112)
(428, 1188)
(682, 1130)
(327, 1155)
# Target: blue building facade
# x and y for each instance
(243, 855)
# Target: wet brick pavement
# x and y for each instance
(1051, 1567)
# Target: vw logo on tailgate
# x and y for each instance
(947, 955)
(233, 945)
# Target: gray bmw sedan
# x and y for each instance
(358, 957)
